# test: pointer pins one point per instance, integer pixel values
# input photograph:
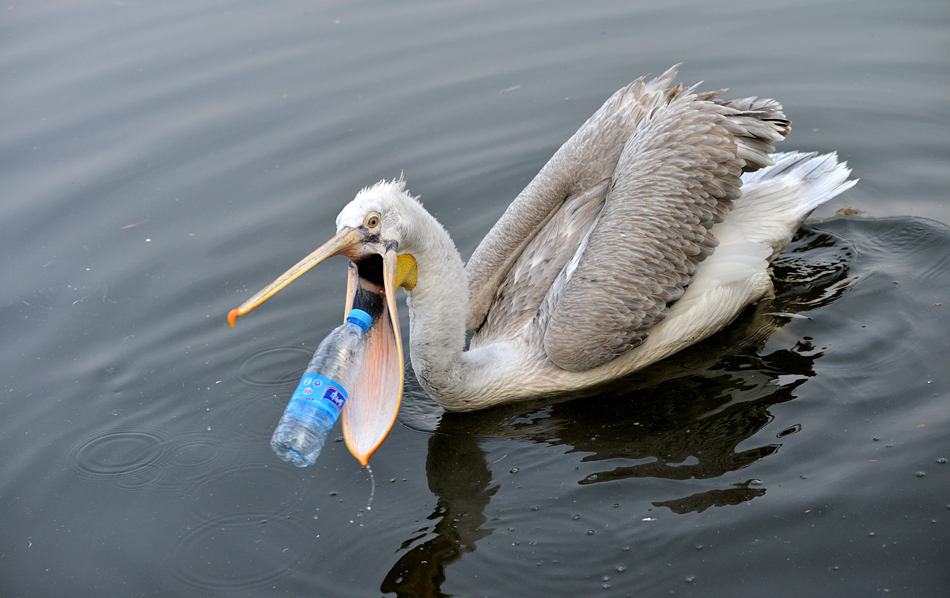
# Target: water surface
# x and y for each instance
(160, 161)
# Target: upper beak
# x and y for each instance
(344, 241)
(371, 407)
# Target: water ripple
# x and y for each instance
(236, 552)
(248, 489)
(274, 366)
(195, 450)
(252, 417)
(137, 452)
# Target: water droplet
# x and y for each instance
(513, 470)
(535, 508)
(871, 533)
(372, 488)
(941, 460)
(590, 532)
(876, 439)
(689, 578)
(920, 474)
(755, 482)
(576, 517)
(699, 547)
(620, 568)
(333, 493)
(803, 477)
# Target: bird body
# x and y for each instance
(508, 362)
(648, 230)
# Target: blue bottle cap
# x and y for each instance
(360, 318)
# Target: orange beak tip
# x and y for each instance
(232, 315)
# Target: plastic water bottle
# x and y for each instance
(315, 405)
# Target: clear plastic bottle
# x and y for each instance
(315, 405)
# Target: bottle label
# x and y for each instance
(320, 392)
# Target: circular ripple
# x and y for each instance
(242, 551)
(118, 453)
(275, 366)
(259, 491)
(250, 417)
(195, 450)
(152, 475)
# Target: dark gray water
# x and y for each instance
(161, 160)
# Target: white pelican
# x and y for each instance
(648, 230)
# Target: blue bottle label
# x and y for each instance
(320, 392)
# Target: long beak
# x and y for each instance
(371, 408)
(345, 241)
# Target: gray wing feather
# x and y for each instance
(540, 267)
(618, 220)
(587, 159)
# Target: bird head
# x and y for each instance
(373, 232)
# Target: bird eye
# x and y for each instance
(372, 221)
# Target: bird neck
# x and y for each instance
(438, 308)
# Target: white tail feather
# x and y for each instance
(777, 199)
(774, 203)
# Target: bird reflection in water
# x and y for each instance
(681, 419)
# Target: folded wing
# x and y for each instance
(610, 233)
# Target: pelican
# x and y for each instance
(650, 229)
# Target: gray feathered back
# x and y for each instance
(619, 218)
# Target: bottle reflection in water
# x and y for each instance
(315, 405)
